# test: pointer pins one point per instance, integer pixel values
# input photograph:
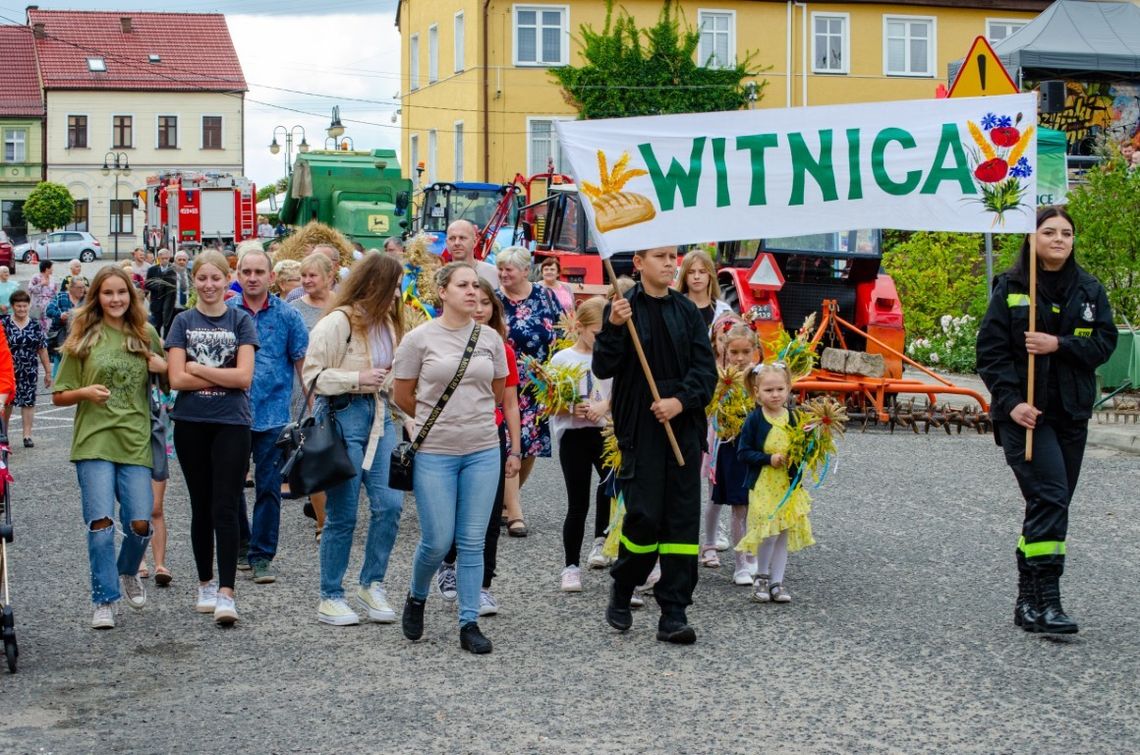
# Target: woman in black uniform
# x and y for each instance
(1074, 335)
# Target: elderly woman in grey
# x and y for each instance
(531, 312)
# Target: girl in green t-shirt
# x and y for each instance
(109, 351)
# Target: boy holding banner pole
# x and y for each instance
(661, 490)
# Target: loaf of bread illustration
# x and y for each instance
(614, 208)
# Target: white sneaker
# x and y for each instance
(374, 601)
(742, 577)
(133, 591)
(636, 601)
(225, 612)
(445, 581)
(207, 598)
(597, 559)
(335, 611)
(104, 617)
(487, 604)
(571, 579)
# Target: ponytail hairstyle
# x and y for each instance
(87, 319)
(589, 312)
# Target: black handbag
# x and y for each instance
(316, 456)
(402, 464)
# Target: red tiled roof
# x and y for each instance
(195, 49)
(20, 93)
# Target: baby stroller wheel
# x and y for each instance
(8, 630)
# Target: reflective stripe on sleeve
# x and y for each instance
(1017, 300)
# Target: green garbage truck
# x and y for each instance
(359, 193)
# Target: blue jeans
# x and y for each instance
(342, 501)
(267, 460)
(454, 496)
(100, 483)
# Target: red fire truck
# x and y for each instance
(189, 210)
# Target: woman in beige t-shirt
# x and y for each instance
(457, 465)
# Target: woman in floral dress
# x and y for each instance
(28, 344)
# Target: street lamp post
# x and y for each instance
(274, 147)
(119, 164)
(331, 142)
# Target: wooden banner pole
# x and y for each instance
(1032, 329)
(644, 365)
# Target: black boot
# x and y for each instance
(1025, 610)
(1051, 617)
(618, 614)
(413, 619)
(676, 630)
(471, 639)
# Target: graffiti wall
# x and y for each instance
(1092, 110)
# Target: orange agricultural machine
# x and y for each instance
(872, 400)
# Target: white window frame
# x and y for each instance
(458, 156)
(702, 57)
(845, 68)
(563, 39)
(932, 46)
(177, 130)
(414, 62)
(992, 22)
(202, 131)
(86, 129)
(433, 155)
(459, 28)
(433, 53)
(22, 133)
(413, 156)
(123, 115)
(530, 119)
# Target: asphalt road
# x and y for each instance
(899, 637)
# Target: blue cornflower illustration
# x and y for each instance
(989, 120)
(1005, 122)
(1022, 169)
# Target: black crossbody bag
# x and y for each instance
(400, 469)
(315, 454)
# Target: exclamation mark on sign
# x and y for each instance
(982, 70)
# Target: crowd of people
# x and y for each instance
(209, 361)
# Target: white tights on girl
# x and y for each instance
(772, 558)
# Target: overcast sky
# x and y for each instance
(331, 52)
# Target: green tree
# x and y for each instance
(272, 189)
(943, 274)
(1107, 242)
(624, 77)
(49, 206)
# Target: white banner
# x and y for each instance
(926, 165)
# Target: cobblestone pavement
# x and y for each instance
(899, 638)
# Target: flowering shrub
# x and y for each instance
(949, 350)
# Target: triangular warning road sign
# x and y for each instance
(982, 74)
(766, 274)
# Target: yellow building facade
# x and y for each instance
(478, 102)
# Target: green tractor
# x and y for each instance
(361, 194)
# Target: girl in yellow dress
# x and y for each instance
(778, 521)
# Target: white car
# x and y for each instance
(61, 245)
